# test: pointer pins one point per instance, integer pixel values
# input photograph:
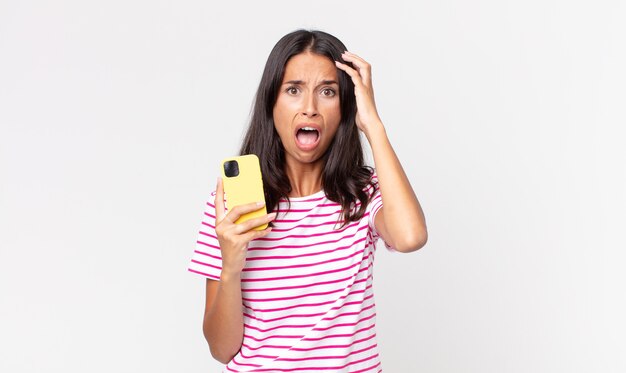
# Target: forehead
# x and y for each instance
(309, 66)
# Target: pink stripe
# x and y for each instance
(277, 327)
(203, 274)
(268, 248)
(306, 200)
(306, 217)
(335, 346)
(375, 209)
(295, 210)
(207, 254)
(295, 297)
(364, 329)
(208, 234)
(307, 235)
(301, 286)
(358, 204)
(271, 336)
(241, 364)
(208, 225)
(312, 225)
(308, 264)
(331, 357)
(347, 324)
(368, 368)
(344, 314)
(325, 319)
(308, 304)
(208, 244)
(376, 202)
(306, 226)
(303, 295)
(289, 308)
(301, 246)
(256, 356)
(303, 315)
(336, 368)
(300, 276)
(264, 346)
(206, 264)
(317, 253)
(316, 348)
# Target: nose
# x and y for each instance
(309, 105)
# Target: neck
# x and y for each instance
(305, 178)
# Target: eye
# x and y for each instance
(292, 90)
(328, 92)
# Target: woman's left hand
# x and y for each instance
(366, 115)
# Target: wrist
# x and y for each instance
(374, 131)
(228, 276)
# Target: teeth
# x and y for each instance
(308, 129)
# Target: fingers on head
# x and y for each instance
(347, 69)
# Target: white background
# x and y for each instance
(508, 117)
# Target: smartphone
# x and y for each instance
(243, 184)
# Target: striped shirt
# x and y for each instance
(308, 300)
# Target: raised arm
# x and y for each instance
(401, 221)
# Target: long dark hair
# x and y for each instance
(345, 176)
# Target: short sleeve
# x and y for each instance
(207, 256)
(376, 203)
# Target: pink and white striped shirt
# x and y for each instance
(306, 288)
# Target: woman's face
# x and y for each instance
(307, 111)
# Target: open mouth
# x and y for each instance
(307, 136)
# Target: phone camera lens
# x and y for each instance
(231, 168)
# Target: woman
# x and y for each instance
(298, 295)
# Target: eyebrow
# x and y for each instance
(301, 82)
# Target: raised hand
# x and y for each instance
(367, 115)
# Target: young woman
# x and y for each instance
(298, 295)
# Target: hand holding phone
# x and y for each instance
(234, 238)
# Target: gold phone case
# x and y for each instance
(246, 187)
